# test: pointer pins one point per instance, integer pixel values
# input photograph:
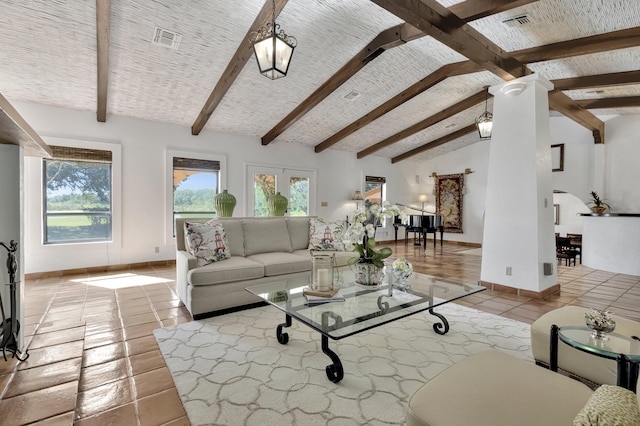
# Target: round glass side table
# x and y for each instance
(624, 349)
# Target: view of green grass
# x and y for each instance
(66, 221)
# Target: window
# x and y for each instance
(297, 186)
(374, 190)
(195, 184)
(77, 191)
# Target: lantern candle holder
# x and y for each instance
(322, 272)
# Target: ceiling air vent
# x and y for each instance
(517, 21)
(351, 95)
(167, 38)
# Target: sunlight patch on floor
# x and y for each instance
(121, 281)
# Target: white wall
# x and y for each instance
(622, 159)
(143, 147)
(144, 143)
(578, 174)
(570, 207)
(476, 158)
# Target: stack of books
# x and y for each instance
(315, 297)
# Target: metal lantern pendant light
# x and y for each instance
(485, 121)
(273, 48)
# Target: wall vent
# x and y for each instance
(351, 95)
(166, 38)
(517, 21)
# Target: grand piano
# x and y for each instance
(422, 224)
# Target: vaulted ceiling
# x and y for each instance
(401, 79)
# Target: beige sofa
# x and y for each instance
(495, 389)
(262, 250)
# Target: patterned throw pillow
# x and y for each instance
(326, 235)
(206, 241)
(609, 406)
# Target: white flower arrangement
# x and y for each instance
(361, 233)
(401, 269)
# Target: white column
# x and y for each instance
(518, 235)
(11, 208)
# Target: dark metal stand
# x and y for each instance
(334, 371)
(438, 327)
(11, 326)
(283, 337)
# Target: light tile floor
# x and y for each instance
(94, 361)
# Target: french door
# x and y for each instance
(298, 186)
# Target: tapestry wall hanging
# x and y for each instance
(449, 201)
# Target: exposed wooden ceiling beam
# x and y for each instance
(238, 61)
(440, 141)
(388, 39)
(103, 23)
(427, 122)
(600, 80)
(471, 10)
(438, 22)
(567, 106)
(580, 46)
(421, 86)
(621, 102)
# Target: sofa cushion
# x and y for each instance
(265, 235)
(235, 268)
(298, 232)
(609, 405)
(235, 236)
(493, 388)
(282, 263)
(324, 235)
(206, 241)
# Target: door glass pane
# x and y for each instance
(264, 185)
(299, 196)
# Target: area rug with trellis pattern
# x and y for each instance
(231, 370)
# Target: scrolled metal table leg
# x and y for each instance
(334, 371)
(438, 327)
(283, 338)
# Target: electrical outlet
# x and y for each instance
(509, 270)
(324, 204)
(157, 249)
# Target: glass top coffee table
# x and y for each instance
(362, 309)
(624, 349)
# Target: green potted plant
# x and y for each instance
(598, 204)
